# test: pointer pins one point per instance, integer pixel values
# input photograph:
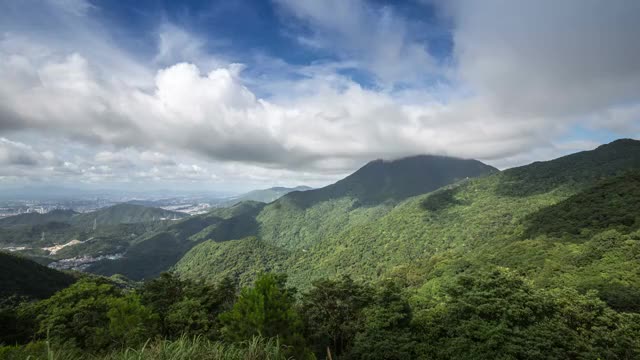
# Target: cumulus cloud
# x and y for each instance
(519, 86)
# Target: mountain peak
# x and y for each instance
(394, 180)
(624, 142)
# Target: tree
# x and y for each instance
(266, 310)
(77, 316)
(160, 294)
(186, 307)
(498, 314)
(15, 329)
(130, 322)
(386, 332)
(332, 310)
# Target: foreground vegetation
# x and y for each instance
(491, 314)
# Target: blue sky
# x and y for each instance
(235, 95)
(245, 27)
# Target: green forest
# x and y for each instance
(536, 262)
(492, 314)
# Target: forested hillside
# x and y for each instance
(490, 220)
(298, 219)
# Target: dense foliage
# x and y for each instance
(489, 314)
(266, 310)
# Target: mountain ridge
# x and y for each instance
(220, 225)
(472, 222)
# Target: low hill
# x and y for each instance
(60, 216)
(23, 277)
(124, 214)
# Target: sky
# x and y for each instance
(236, 95)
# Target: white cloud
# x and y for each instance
(191, 116)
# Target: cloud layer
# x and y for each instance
(520, 80)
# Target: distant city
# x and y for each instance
(188, 204)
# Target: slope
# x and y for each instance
(428, 239)
(23, 277)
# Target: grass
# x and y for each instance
(184, 348)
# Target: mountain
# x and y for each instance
(299, 218)
(61, 216)
(125, 213)
(22, 277)
(265, 195)
(519, 218)
(381, 180)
